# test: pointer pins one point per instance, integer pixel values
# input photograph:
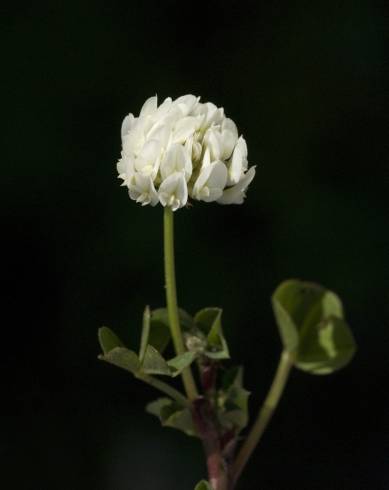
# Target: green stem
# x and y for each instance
(273, 397)
(165, 388)
(171, 299)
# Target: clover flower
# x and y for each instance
(183, 149)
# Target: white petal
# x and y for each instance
(211, 182)
(185, 128)
(213, 141)
(213, 115)
(121, 166)
(196, 151)
(236, 194)
(150, 151)
(142, 190)
(242, 145)
(134, 140)
(218, 177)
(173, 191)
(201, 181)
(206, 158)
(149, 107)
(210, 110)
(229, 125)
(161, 133)
(189, 145)
(238, 163)
(176, 159)
(127, 124)
(188, 167)
(171, 117)
(168, 164)
(130, 168)
(217, 117)
(125, 168)
(164, 108)
(228, 142)
(186, 103)
(235, 169)
(214, 194)
(205, 111)
(149, 159)
(182, 191)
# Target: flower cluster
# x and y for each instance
(181, 149)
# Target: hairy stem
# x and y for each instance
(204, 420)
(171, 299)
(265, 414)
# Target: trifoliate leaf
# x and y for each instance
(108, 339)
(172, 414)
(311, 325)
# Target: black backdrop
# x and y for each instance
(305, 83)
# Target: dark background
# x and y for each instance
(305, 83)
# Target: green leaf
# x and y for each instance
(123, 358)
(311, 325)
(287, 328)
(161, 314)
(172, 414)
(155, 407)
(326, 347)
(236, 408)
(159, 331)
(203, 485)
(232, 377)
(206, 318)
(180, 362)
(154, 363)
(233, 400)
(159, 334)
(208, 321)
(108, 339)
(186, 320)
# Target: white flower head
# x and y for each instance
(183, 149)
